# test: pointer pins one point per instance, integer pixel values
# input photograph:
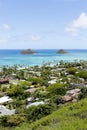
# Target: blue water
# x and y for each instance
(11, 57)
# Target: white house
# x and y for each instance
(52, 81)
(5, 99)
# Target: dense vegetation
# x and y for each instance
(68, 117)
(46, 85)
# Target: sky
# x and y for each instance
(43, 24)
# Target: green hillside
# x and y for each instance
(72, 116)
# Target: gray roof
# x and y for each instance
(35, 104)
(5, 111)
(31, 90)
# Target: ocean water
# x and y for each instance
(11, 57)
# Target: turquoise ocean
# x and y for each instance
(11, 57)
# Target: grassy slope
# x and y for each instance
(69, 117)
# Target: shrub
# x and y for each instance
(72, 70)
(36, 81)
(57, 99)
(10, 121)
(57, 89)
(15, 90)
(25, 84)
(83, 93)
(37, 112)
(82, 74)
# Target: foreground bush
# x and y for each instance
(36, 112)
(10, 121)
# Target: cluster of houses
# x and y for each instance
(71, 95)
(6, 99)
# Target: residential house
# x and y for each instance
(5, 99)
(71, 95)
(5, 111)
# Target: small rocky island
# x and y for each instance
(28, 51)
(61, 51)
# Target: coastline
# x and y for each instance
(11, 57)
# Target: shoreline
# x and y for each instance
(55, 62)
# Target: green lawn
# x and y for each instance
(71, 116)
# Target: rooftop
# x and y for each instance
(35, 104)
(5, 111)
(5, 99)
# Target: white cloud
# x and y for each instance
(4, 27)
(77, 24)
(26, 37)
(3, 40)
(35, 37)
(20, 38)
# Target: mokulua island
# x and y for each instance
(28, 51)
(61, 51)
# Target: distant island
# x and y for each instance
(61, 51)
(28, 51)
